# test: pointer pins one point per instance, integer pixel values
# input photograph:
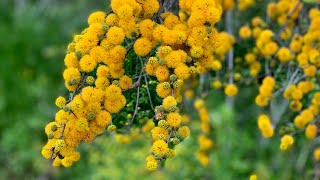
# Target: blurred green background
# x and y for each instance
(33, 39)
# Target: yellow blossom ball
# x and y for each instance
(316, 154)
(310, 71)
(184, 131)
(262, 100)
(245, 32)
(152, 165)
(173, 119)
(160, 148)
(97, 17)
(60, 145)
(125, 82)
(162, 73)
(115, 35)
(142, 47)
(87, 64)
(231, 90)
(159, 133)
(60, 102)
(169, 102)
(216, 84)
(311, 131)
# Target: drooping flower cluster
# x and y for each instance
(204, 140)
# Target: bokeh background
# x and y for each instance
(33, 39)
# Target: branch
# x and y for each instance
(289, 15)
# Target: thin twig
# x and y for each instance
(147, 87)
(289, 15)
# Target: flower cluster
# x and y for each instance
(204, 140)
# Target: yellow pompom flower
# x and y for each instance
(160, 148)
(245, 32)
(169, 102)
(162, 73)
(96, 17)
(152, 165)
(286, 142)
(216, 84)
(142, 47)
(159, 133)
(66, 162)
(196, 51)
(103, 118)
(262, 100)
(60, 145)
(87, 64)
(98, 53)
(284, 55)
(174, 119)
(270, 48)
(184, 131)
(163, 89)
(71, 73)
(115, 35)
(310, 71)
(60, 102)
(112, 19)
(231, 90)
(295, 106)
(316, 154)
(311, 131)
(125, 82)
(253, 177)
(182, 71)
(82, 124)
(71, 60)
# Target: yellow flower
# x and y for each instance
(169, 102)
(261, 100)
(125, 82)
(184, 131)
(146, 28)
(175, 58)
(174, 119)
(60, 145)
(82, 124)
(103, 118)
(97, 17)
(295, 106)
(71, 73)
(253, 177)
(216, 84)
(164, 89)
(87, 64)
(182, 71)
(60, 102)
(152, 165)
(245, 32)
(162, 73)
(114, 106)
(159, 133)
(115, 35)
(142, 47)
(112, 19)
(71, 60)
(231, 90)
(286, 142)
(98, 53)
(316, 154)
(160, 148)
(310, 71)
(284, 55)
(311, 131)
(196, 51)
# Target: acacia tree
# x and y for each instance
(142, 63)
